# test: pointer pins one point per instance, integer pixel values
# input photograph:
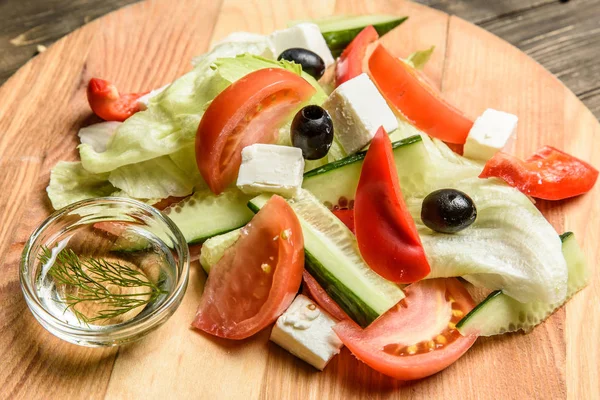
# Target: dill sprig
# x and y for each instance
(92, 277)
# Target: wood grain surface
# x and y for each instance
(563, 36)
(473, 68)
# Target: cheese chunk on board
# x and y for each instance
(357, 110)
(271, 168)
(306, 331)
(489, 134)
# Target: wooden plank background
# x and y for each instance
(558, 360)
(563, 36)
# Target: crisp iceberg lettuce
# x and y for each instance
(239, 43)
(151, 155)
(418, 59)
(169, 123)
(511, 246)
(70, 182)
(185, 159)
(98, 135)
(153, 179)
(171, 120)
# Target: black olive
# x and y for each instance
(310, 61)
(312, 132)
(448, 211)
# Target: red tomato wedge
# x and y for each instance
(319, 295)
(419, 103)
(386, 233)
(417, 338)
(249, 111)
(108, 104)
(350, 62)
(346, 216)
(257, 278)
(549, 174)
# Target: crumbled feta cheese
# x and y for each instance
(306, 331)
(307, 36)
(357, 110)
(489, 134)
(271, 168)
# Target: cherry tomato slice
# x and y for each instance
(386, 233)
(549, 174)
(108, 104)
(420, 104)
(319, 295)
(350, 62)
(257, 278)
(417, 338)
(249, 111)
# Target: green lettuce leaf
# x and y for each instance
(171, 120)
(239, 43)
(98, 135)
(510, 246)
(185, 159)
(70, 182)
(418, 59)
(153, 179)
(169, 123)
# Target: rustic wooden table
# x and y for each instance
(475, 69)
(563, 36)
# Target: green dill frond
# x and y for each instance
(92, 276)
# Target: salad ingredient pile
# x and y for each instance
(347, 189)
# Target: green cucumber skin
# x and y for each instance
(361, 313)
(478, 307)
(357, 157)
(202, 239)
(338, 40)
(498, 296)
(340, 178)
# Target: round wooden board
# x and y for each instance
(149, 44)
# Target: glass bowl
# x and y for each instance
(104, 272)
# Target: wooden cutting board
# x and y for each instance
(149, 44)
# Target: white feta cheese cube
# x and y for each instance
(271, 168)
(307, 36)
(145, 99)
(357, 110)
(306, 331)
(489, 134)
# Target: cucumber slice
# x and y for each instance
(499, 313)
(339, 30)
(214, 248)
(333, 259)
(204, 214)
(339, 179)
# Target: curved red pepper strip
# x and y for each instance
(386, 233)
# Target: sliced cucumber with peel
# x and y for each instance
(499, 313)
(205, 214)
(340, 178)
(333, 259)
(340, 30)
(214, 248)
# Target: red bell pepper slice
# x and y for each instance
(386, 233)
(108, 104)
(350, 63)
(550, 174)
(346, 216)
(401, 86)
